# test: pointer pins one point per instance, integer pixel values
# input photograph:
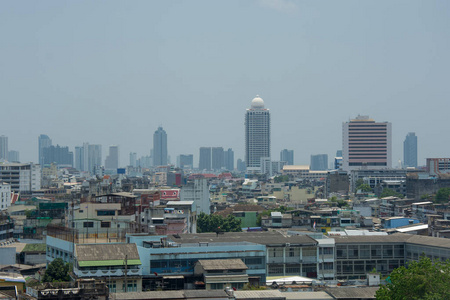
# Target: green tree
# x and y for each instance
(421, 279)
(389, 192)
(281, 178)
(365, 188)
(358, 183)
(442, 195)
(216, 223)
(57, 271)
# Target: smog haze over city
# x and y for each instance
(111, 72)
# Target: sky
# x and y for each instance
(111, 72)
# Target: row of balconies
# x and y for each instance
(107, 273)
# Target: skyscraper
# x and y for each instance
(58, 155)
(204, 162)
(43, 142)
(159, 147)
(217, 159)
(133, 159)
(4, 147)
(229, 159)
(185, 161)
(366, 144)
(410, 150)
(319, 162)
(257, 134)
(112, 160)
(87, 157)
(13, 156)
(287, 156)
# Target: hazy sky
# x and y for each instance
(111, 72)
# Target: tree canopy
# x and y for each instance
(423, 279)
(387, 192)
(216, 223)
(57, 271)
(365, 188)
(442, 195)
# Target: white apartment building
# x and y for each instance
(21, 177)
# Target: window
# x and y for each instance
(216, 286)
(106, 212)
(88, 224)
(106, 224)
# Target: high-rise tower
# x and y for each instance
(257, 134)
(159, 147)
(4, 147)
(366, 144)
(112, 160)
(44, 142)
(410, 150)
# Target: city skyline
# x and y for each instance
(129, 67)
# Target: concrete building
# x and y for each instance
(436, 166)
(5, 195)
(229, 159)
(133, 159)
(160, 147)
(287, 156)
(13, 156)
(43, 142)
(3, 147)
(257, 135)
(319, 162)
(366, 144)
(185, 161)
(21, 177)
(197, 190)
(217, 158)
(410, 150)
(88, 157)
(58, 155)
(304, 172)
(112, 160)
(204, 162)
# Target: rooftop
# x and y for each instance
(222, 264)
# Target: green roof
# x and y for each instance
(102, 263)
(34, 248)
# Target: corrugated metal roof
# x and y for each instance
(222, 264)
(106, 252)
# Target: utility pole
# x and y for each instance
(126, 272)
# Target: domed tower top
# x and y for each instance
(257, 103)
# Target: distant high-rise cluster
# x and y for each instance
(257, 135)
(160, 147)
(410, 150)
(366, 144)
(87, 157)
(287, 156)
(215, 158)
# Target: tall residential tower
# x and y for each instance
(410, 150)
(257, 135)
(366, 144)
(160, 147)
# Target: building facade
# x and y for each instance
(21, 177)
(319, 162)
(160, 147)
(257, 134)
(43, 142)
(410, 150)
(366, 144)
(3, 147)
(185, 161)
(287, 156)
(112, 160)
(204, 162)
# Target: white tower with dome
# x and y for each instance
(257, 135)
